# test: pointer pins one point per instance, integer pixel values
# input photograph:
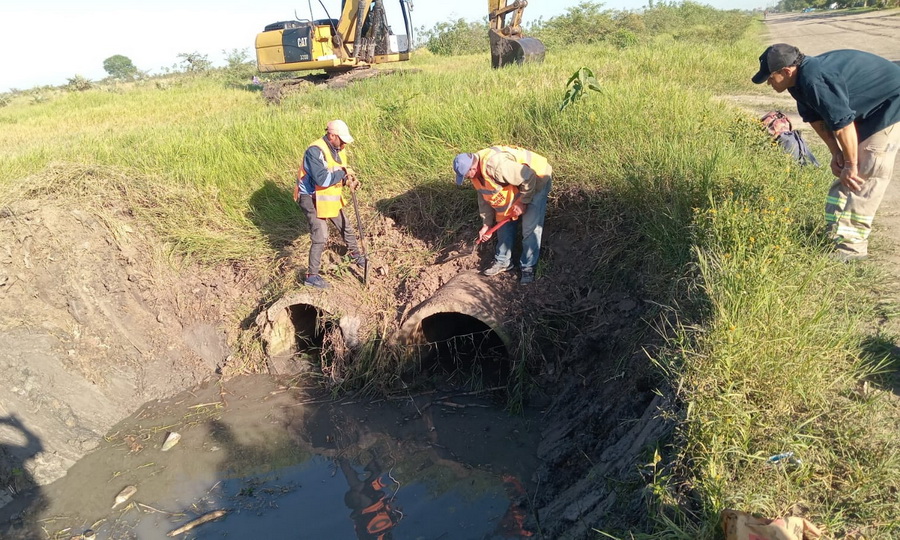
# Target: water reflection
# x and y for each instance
(373, 511)
(287, 463)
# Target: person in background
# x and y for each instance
(852, 100)
(320, 181)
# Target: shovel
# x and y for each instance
(362, 245)
(478, 242)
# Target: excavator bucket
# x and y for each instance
(514, 50)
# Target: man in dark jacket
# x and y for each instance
(852, 100)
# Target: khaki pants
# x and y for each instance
(849, 215)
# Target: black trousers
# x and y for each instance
(318, 231)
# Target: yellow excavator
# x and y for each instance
(360, 37)
(508, 45)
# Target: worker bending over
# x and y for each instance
(512, 185)
(852, 99)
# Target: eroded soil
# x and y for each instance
(94, 323)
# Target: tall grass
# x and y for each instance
(766, 343)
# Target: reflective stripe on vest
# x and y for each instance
(329, 200)
(501, 197)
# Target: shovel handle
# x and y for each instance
(362, 234)
(493, 229)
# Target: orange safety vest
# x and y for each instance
(501, 197)
(329, 200)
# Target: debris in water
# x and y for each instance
(124, 495)
(205, 518)
(171, 440)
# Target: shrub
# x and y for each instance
(79, 84)
(623, 38)
(457, 37)
(585, 23)
(194, 62)
(690, 21)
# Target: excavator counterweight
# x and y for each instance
(508, 45)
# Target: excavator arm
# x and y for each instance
(508, 45)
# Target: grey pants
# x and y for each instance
(849, 215)
(318, 231)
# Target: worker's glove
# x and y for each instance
(350, 172)
(353, 183)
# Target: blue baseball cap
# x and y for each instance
(461, 165)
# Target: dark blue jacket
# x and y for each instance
(844, 86)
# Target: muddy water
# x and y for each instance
(284, 462)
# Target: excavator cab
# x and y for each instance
(360, 37)
(508, 45)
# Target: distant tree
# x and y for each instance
(236, 57)
(195, 62)
(239, 67)
(119, 66)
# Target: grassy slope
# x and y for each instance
(767, 348)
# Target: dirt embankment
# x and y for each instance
(93, 322)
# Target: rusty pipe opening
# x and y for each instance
(295, 327)
(309, 327)
(460, 330)
(459, 344)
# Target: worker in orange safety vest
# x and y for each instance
(512, 183)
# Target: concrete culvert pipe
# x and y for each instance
(296, 324)
(459, 327)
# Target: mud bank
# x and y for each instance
(92, 325)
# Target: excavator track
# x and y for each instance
(275, 91)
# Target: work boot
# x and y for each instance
(360, 261)
(497, 268)
(527, 276)
(317, 281)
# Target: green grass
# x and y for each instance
(767, 340)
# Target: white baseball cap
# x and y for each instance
(339, 128)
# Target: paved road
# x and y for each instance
(877, 32)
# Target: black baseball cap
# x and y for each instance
(774, 58)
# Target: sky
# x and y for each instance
(51, 41)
